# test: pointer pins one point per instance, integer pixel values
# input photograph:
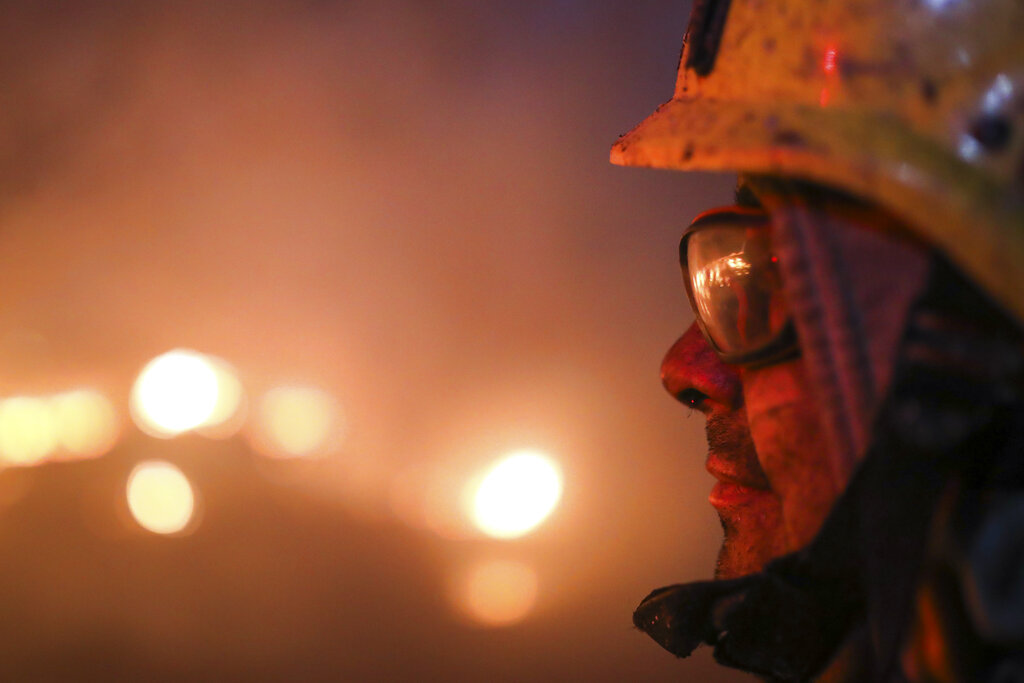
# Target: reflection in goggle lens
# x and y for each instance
(735, 286)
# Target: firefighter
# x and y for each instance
(858, 349)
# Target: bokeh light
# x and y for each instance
(228, 412)
(28, 430)
(86, 423)
(160, 497)
(174, 393)
(516, 494)
(298, 421)
(498, 592)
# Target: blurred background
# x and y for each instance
(329, 342)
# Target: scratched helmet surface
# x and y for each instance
(915, 105)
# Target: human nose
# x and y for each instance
(695, 376)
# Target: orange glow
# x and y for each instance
(499, 593)
(228, 412)
(926, 653)
(430, 496)
(407, 496)
(174, 393)
(86, 422)
(516, 495)
(160, 497)
(298, 421)
(28, 430)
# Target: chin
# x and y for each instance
(735, 560)
(751, 541)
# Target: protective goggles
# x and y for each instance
(732, 279)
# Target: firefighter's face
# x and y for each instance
(774, 484)
(750, 511)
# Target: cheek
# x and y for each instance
(791, 448)
(775, 386)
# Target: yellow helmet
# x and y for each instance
(915, 105)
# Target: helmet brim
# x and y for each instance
(947, 202)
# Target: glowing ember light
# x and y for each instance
(298, 421)
(228, 412)
(516, 495)
(499, 593)
(86, 422)
(28, 430)
(160, 497)
(174, 393)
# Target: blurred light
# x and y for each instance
(999, 94)
(160, 497)
(516, 495)
(499, 593)
(86, 422)
(175, 392)
(228, 412)
(28, 430)
(970, 148)
(298, 421)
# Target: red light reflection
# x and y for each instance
(828, 64)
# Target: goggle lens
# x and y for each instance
(734, 283)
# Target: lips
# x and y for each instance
(736, 486)
(727, 495)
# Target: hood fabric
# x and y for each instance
(849, 287)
